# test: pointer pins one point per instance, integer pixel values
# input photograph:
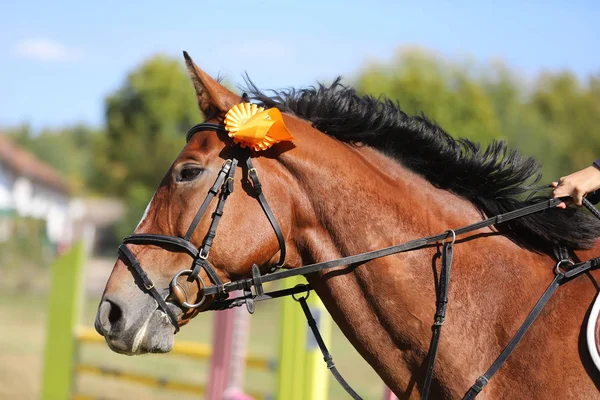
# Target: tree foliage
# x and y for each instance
(555, 118)
(146, 121)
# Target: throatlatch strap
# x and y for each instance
(149, 285)
(440, 315)
(326, 355)
(253, 177)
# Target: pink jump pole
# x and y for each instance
(221, 354)
(239, 344)
(388, 395)
(227, 362)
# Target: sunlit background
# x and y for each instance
(95, 103)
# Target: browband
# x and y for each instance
(204, 126)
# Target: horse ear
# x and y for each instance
(214, 99)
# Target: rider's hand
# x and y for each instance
(577, 185)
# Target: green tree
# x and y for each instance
(555, 118)
(443, 91)
(146, 120)
(520, 124)
(571, 111)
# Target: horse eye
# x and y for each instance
(189, 173)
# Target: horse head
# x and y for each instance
(133, 322)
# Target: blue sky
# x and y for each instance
(60, 58)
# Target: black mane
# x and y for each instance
(496, 179)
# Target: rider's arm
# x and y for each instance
(579, 183)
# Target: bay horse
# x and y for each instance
(362, 175)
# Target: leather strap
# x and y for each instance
(588, 204)
(204, 126)
(161, 240)
(326, 354)
(582, 267)
(212, 192)
(240, 301)
(484, 379)
(148, 284)
(440, 315)
(226, 190)
(253, 178)
(200, 263)
(594, 197)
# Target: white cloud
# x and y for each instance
(44, 49)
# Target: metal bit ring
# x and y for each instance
(174, 284)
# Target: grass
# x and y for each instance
(22, 337)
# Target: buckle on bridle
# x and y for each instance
(255, 281)
(202, 256)
(228, 184)
(221, 293)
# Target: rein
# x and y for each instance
(224, 185)
(247, 283)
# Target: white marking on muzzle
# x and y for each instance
(141, 333)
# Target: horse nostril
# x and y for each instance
(115, 314)
(110, 315)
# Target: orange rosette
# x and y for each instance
(254, 127)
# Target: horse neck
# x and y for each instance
(355, 200)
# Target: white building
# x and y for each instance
(32, 188)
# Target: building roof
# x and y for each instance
(24, 163)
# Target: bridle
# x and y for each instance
(220, 290)
(224, 185)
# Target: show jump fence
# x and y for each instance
(301, 372)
